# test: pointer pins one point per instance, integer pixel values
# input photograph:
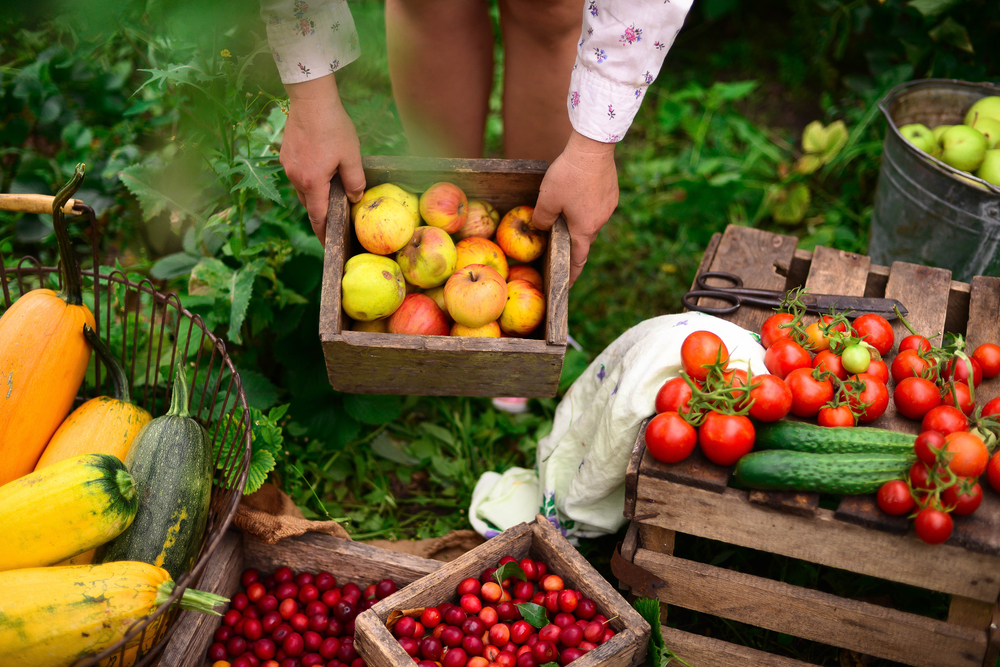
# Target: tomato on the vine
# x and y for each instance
(829, 361)
(915, 342)
(987, 356)
(927, 445)
(838, 416)
(894, 498)
(961, 371)
(920, 476)
(771, 330)
(875, 395)
(914, 397)
(964, 402)
(725, 438)
(878, 370)
(784, 356)
(944, 419)
(702, 349)
(808, 393)
(876, 331)
(909, 363)
(669, 438)
(816, 339)
(992, 408)
(855, 358)
(968, 453)
(673, 396)
(993, 472)
(772, 399)
(932, 525)
(962, 504)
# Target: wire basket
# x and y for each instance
(152, 329)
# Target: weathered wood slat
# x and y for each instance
(696, 470)
(837, 272)
(814, 615)
(730, 518)
(970, 613)
(699, 651)
(632, 471)
(984, 326)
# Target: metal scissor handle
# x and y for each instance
(735, 294)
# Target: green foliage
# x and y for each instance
(266, 444)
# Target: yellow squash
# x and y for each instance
(55, 616)
(43, 357)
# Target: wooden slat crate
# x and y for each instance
(538, 540)
(376, 363)
(312, 552)
(693, 497)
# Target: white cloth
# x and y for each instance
(581, 464)
(621, 49)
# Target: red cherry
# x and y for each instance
(283, 574)
(473, 645)
(324, 581)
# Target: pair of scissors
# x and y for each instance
(820, 304)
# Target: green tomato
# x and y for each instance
(855, 359)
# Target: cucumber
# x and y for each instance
(842, 474)
(805, 437)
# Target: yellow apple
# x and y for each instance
(437, 293)
(475, 295)
(383, 226)
(373, 287)
(477, 250)
(525, 272)
(518, 238)
(392, 191)
(380, 325)
(525, 308)
(418, 315)
(490, 330)
(429, 258)
(481, 221)
(444, 205)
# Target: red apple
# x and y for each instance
(475, 296)
(476, 250)
(482, 220)
(419, 315)
(518, 238)
(524, 310)
(444, 205)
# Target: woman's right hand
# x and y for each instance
(320, 141)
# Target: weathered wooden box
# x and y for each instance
(535, 540)
(348, 561)
(377, 363)
(694, 498)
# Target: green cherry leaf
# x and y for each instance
(508, 570)
(550, 664)
(534, 614)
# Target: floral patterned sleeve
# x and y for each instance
(619, 54)
(309, 38)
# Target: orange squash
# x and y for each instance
(43, 357)
(102, 425)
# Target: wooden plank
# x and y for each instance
(193, 633)
(795, 502)
(698, 651)
(838, 272)
(813, 615)
(632, 471)
(984, 326)
(993, 632)
(797, 272)
(696, 470)
(957, 318)
(655, 538)
(821, 539)
(970, 613)
(864, 511)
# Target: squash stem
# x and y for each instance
(72, 281)
(119, 382)
(125, 483)
(179, 401)
(191, 599)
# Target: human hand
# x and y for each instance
(582, 185)
(320, 141)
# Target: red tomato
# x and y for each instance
(965, 401)
(838, 416)
(920, 475)
(993, 472)
(915, 342)
(914, 397)
(669, 438)
(725, 438)
(894, 498)
(962, 504)
(944, 419)
(961, 373)
(909, 363)
(875, 395)
(784, 356)
(987, 356)
(700, 350)
(933, 526)
(673, 396)
(992, 408)
(828, 361)
(808, 393)
(969, 456)
(770, 331)
(771, 400)
(879, 371)
(876, 331)
(927, 445)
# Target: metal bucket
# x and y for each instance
(927, 212)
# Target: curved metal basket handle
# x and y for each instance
(39, 204)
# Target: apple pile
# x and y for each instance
(454, 275)
(970, 147)
(502, 620)
(293, 620)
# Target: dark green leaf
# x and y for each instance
(261, 464)
(260, 391)
(534, 614)
(172, 266)
(256, 177)
(392, 449)
(931, 8)
(508, 570)
(373, 409)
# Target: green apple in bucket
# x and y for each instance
(963, 148)
(986, 107)
(989, 171)
(920, 136)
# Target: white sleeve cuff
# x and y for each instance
(314, 44)
(601, 109)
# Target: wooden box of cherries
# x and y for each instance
(525, 598)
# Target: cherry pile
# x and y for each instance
(293, 620)
(502, 620)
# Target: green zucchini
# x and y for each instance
(806, 437)
(842, 474)
(172, 464)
